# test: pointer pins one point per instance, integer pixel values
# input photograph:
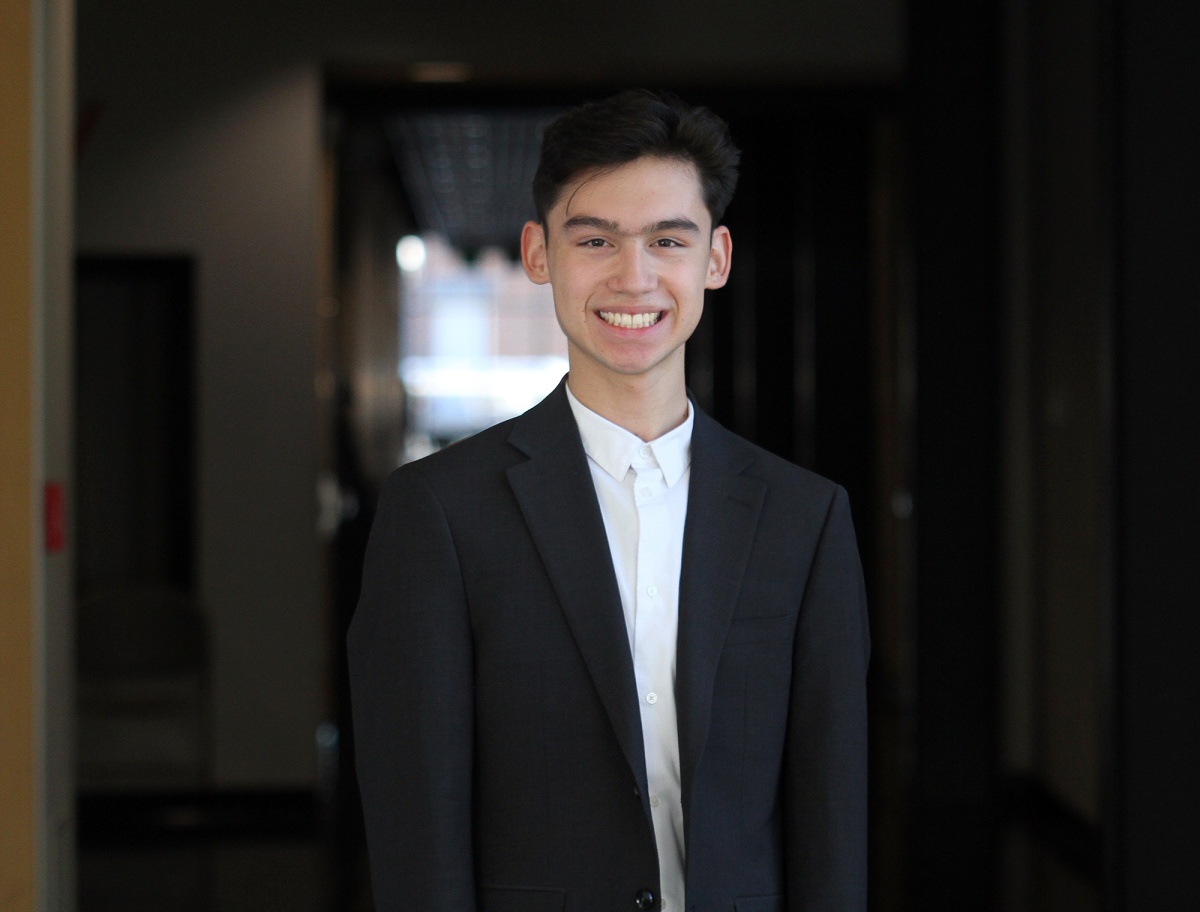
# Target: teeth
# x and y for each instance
(630, 321)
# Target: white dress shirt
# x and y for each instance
(643, 493)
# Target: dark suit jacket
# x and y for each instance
(497, 728)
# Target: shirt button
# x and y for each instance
(644, 492)
(651, 698)
(654, 802)
(644, 452)
(652, 591)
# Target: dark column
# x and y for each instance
(1158, 458)
(954, 147)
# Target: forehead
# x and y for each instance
(648, 186)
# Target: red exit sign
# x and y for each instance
(56, 518)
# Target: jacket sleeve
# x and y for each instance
(825, 775)
(411, 686)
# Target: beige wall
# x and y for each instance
(36, 791)
(17, 602)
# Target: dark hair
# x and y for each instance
(637, 123)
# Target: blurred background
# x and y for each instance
(256, 254)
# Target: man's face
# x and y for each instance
(628, 253)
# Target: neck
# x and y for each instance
(644, 406)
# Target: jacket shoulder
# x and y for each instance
(779, 474)
(481, 454)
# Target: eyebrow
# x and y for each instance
(600, 224)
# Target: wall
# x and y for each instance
(229, 177)
(36, 802)
(1058, 364)
(1157, 452)
(17, 600)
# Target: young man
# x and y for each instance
(609, 655)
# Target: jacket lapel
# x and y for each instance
(723, 511)
(558, 500)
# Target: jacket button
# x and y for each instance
(644, 899)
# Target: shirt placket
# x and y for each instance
(655, 625)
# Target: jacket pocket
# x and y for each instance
(759, 904)
(522, 899)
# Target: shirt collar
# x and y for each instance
(615, 449)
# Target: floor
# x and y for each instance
(227, 853)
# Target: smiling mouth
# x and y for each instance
(630, 321)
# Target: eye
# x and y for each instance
(667, 242)
(594, 242)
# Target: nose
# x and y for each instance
(633, 271)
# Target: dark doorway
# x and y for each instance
(134, 423)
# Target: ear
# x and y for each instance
(533, 253)
(720, 258)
